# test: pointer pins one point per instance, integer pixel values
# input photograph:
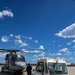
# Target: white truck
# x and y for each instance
(51, 67)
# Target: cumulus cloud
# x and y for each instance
(68, 32)
(35, 56)
(59, 54)
(64, 50)
(11, 35)
(68, 43)
(53, 54)
(6, 13)
(21, 43)
(18, 41)
(5, 39)
(73, 41)
(30, 38)
(41, 47)
(36, 41)
(56, 54)
(17, 36)
(68, 53)
(36, 51)
(59, 45)
(42, 54)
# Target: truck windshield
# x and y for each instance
(40, 67)
(57, 68)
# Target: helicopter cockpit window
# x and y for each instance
(20, 58)
(57, 68)
(40, 67)
(13, 58)
(16, 58)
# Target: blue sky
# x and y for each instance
(38, 24)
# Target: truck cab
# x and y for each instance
(51, 67)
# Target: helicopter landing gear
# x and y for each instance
(18, 72)
(4, 69)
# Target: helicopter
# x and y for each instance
(16, 63)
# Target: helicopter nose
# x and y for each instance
(21, 64)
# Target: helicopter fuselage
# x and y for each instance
(15, 62)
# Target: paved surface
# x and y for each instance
(71, 71)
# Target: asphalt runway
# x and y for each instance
(5, 73)
(71, 71)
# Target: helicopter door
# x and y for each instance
(7, 59)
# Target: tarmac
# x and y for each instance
(71, 71)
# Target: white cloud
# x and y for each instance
(18, 41)
(59, 54)
(36, 51)
(11, 35)
(73, 41)
(36, 41)
(68, 53)
(64, 50)
(35, 56)
(42, 54)
(68, 32)
(53, 54)
(30, 38)
(68, 43)
(26, 51)
(41, 47)
(17, 36)
(31, 51)
(56, 54)
(21, 43)
(59, 45)
(5, 39)
(6, 13)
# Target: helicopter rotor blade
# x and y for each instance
(29, 51)
(10, 50)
